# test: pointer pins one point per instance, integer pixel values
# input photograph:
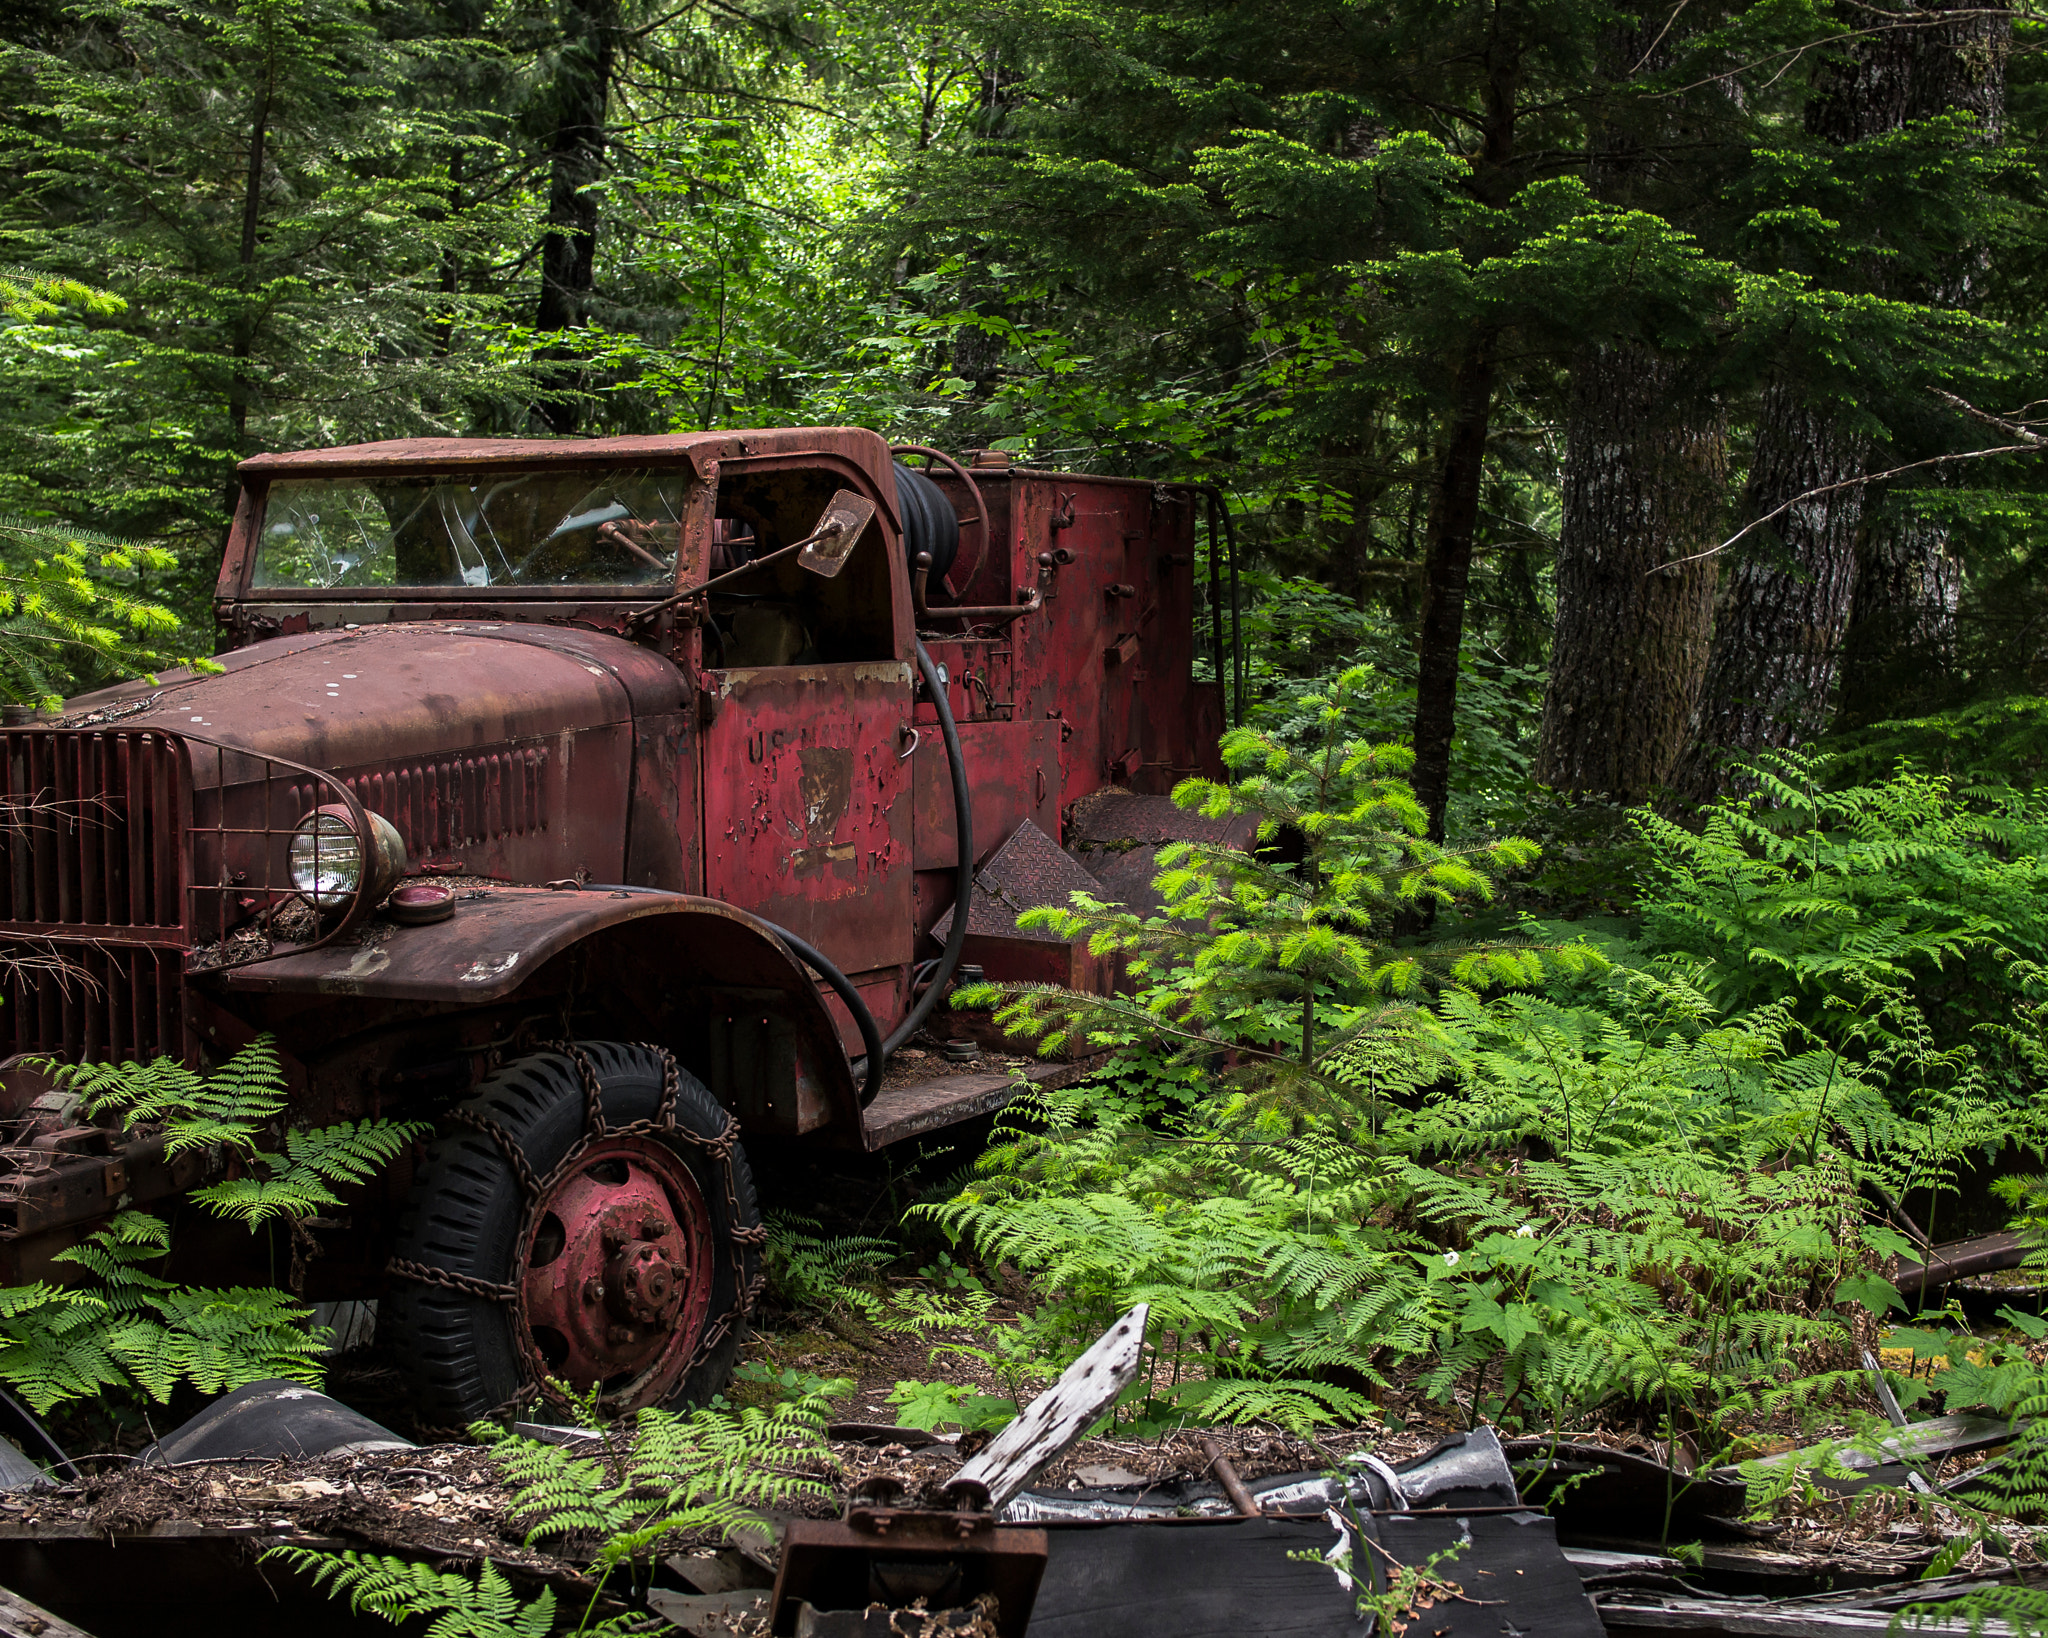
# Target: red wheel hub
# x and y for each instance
(619, 1271)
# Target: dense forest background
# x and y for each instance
(1619, 384)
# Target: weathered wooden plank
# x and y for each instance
(21, 1619)
(915, 1107)
(1059, 1416)
(1940, 1436)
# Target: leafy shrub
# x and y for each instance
(947, 1405)
(1829, 899)
(1554, 1188)
(1287, 964)
(124, 1327)
(1633, 1203)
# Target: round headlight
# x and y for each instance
(329, 862)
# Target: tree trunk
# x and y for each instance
(582, 92)
(1902, 628)
(1454, 502)
(1645, 487)
(243, 344)
(1446, 572)
(1902, 632)
(1778, 638)
(1646, 473)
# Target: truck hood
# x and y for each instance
(346, 699)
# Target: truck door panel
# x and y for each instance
(807, 809)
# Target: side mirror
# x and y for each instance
(837, 532)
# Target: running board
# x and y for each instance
(914, 1108)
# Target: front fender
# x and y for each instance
(503, 939)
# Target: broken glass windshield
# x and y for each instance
(521, 529)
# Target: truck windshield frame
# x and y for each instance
(608, 531)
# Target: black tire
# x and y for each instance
(461, 1352)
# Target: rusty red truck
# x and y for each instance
(606, 803)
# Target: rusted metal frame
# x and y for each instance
(49, 1189)
(706, 588)
(359, 821)
(238, 568)
(484, 454)
(175, 807)
(829, 460)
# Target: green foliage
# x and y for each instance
(947, 1405)
(807, 1270)
(1830, 898)
(132, 1327)
(482, 1605)
(124, 1326)
(235, 1110)
(1533, 1205)
(1288, 954)
(1390, 1595)
(704, 1472)
(71, 609)
(757, 1382)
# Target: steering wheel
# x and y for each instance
(957, 579)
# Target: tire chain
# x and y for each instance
(535, 1188)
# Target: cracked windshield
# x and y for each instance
(532, 529)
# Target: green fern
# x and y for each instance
(807, 1270)
(235, 1111)
(130, 1328)
(705, 1472)
(482, 1605)
(1290, 965)
(135, 1328)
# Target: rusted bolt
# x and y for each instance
(593, 1291)
(619, 1335)
(1123, 591)
(653, 1229)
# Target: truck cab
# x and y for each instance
(554, 770)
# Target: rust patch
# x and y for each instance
(826, 787)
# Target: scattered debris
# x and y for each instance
(1923, 1443)
(1824, 1615)
(1961, 1260)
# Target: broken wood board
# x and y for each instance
(1836, 1616)
(1062, 1414)
(21, 1619)
(1917, 1441)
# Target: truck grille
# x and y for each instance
(117, 863)
(87, 1003)
(91, 824)
(92, 925)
